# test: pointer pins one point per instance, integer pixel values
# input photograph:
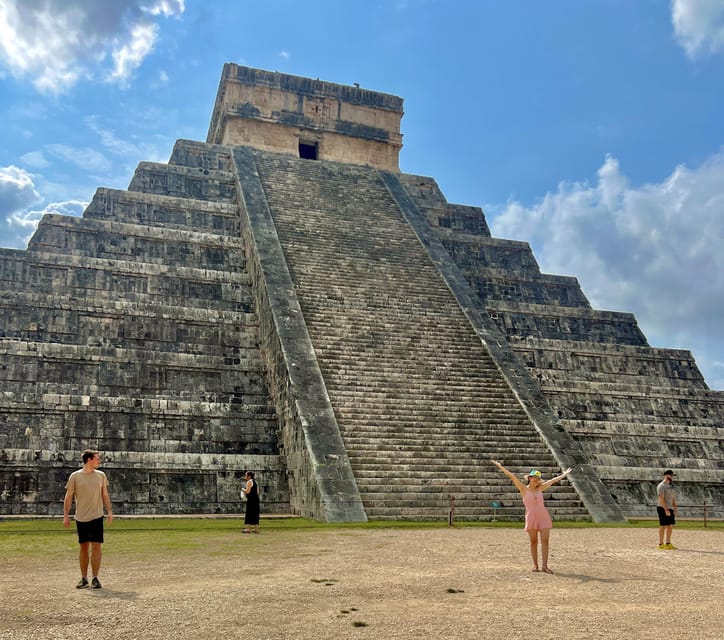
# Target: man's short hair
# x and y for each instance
(89, 454)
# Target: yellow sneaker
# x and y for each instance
(662, 546)
(670, 546)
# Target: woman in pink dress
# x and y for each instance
(537, 518)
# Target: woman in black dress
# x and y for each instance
(251, 491)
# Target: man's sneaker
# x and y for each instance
(83, 584)
(95, 583)
(670, 546)
(662, 547)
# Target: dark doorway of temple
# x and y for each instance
(308, 150)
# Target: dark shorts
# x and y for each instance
(664, 520)
(91, 531)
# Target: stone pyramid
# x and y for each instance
(282, 298)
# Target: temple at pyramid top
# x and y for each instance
(306, 118)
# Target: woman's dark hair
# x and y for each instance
(249, 473)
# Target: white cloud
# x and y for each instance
(654, 250)
(285, 54)
(149, 148)
(699, 25)
(165, 8)
(35, 159)
(84, 158)
(129, 56)
(17, 196)
(22, 224)
(56, 42)
(17, 191)
(109, 139)
(25, 222)
(66, 208)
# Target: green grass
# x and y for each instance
(220, 525)
(141, 536)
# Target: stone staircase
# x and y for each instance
(634, 410)
(132, 330)
(420, 403)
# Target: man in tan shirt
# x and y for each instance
(89, 488)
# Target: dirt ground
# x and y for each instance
(458, 583)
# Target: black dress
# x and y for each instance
(252, 505)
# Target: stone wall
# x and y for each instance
(133, 331)
(275, 112)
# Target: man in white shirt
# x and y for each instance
(666, 509)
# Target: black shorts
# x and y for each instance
(91, 531)
(664, 520)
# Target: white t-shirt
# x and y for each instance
(666, 489)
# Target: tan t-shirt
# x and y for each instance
(88, 491)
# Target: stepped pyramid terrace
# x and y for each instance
(282, 298)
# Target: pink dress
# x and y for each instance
(536, 515)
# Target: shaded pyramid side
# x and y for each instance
(132, 330)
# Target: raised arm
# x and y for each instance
(516, 481)
(549, 483)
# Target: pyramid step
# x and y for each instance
(106, 239)
(411, 445)
(437, 454)
(184, 182)
(403, 473)
(461, 502)
(163, 211)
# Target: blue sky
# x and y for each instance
(591, 129)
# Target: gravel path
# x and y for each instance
(379, 584)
